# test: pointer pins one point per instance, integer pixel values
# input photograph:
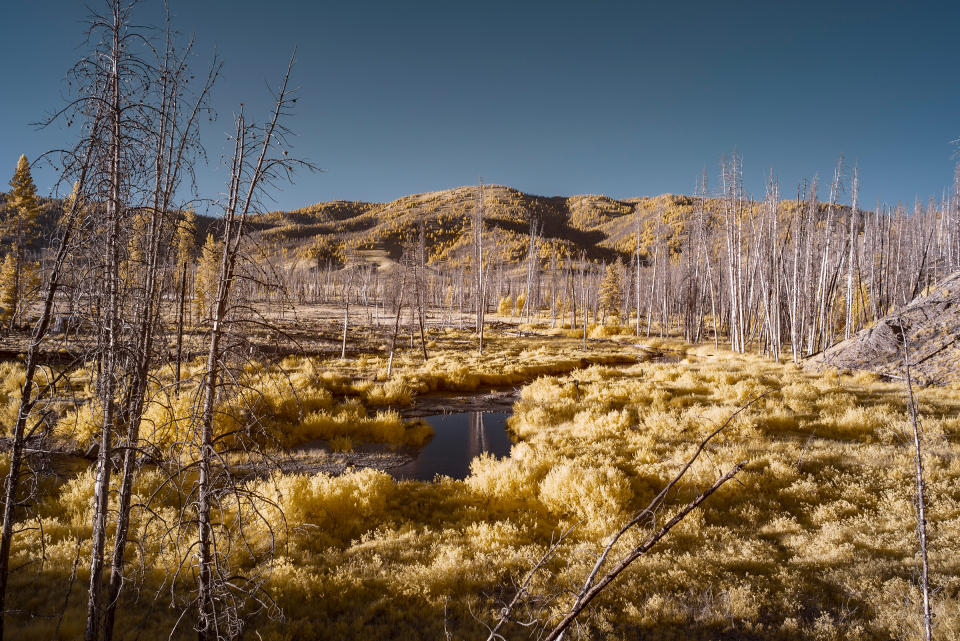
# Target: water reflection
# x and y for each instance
(457, 440)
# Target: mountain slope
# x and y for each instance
(601, 227)
(931, 325)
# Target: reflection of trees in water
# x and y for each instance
(478, 435)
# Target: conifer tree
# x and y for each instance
(206, 282)
(185, 240)
(24, 207)
(611, 290)
(8, 288)
(24, 204)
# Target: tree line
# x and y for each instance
(125, 274)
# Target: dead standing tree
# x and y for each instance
(175, 145)
(478, 265)
(257, 163)
(30, 393)
(117, 78)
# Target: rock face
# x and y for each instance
(931, 325)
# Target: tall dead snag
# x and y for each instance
(636, 260)
(478, 265)
(921, 490)
(849, 328)
(349, 273)
(421, 285)
(116, 72)
(532, 269)
(185, 241)
(174, 143)
(259, 159)
(29, 395)
(399, 310)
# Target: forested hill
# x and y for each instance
(601, 227)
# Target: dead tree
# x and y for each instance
(81, 161)
(921, 490)
(174, 145)
(420, 286)
(257, 162)
(479, 265)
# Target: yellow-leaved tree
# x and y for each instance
(206, 280)
(16, 226)
(185, 238)
(611, 291)
(505, 306)
(8, 288)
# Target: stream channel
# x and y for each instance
(458, 438)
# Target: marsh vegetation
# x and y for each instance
(472, 414)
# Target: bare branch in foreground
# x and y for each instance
(921, 501)
(635, 553)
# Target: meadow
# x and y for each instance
(815, 539)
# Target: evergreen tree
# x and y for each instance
(206, 281)
(22, 213)
(8, 288)
(611, 290)
(185, 239)
(24, 206)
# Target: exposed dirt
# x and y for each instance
(446, 403)
(931, 325)
(315, 458)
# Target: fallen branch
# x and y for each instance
(658, 499)
(921, 501)
(521, 591)
(638, 551)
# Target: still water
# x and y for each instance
(457, 440)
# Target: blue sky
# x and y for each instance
(619, 98)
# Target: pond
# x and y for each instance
(458, 438)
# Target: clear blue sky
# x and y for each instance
(619, 98)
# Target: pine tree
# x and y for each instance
(23, 201)
(23, 210)
(206, 281)
(8, 288)
(185, 239)
(611, 290)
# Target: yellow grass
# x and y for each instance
(816, 541)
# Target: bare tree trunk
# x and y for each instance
(27, 397)
(180, 304)
(110, 343)
(346, 321)
(396, 322)
(421, 284)
(637, 260)
(478, 240)
(921, 499)
(851, 260)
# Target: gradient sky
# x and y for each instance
(619, 98)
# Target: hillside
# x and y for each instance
(600, 226)
(931, 325)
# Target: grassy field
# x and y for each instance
(816, 540)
